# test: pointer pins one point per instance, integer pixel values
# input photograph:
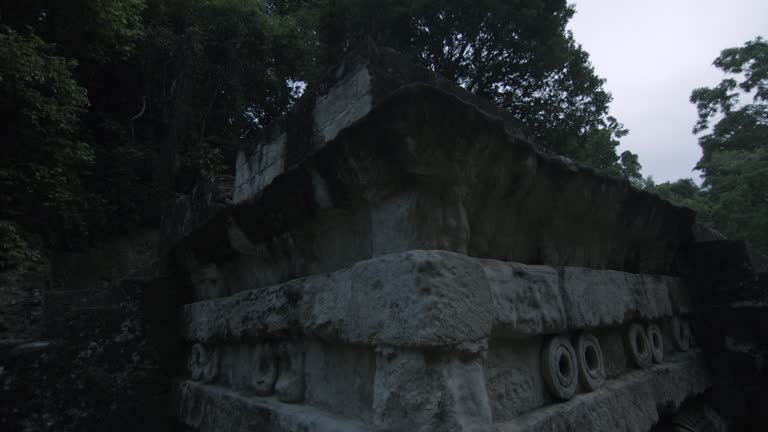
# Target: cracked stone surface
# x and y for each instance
(401, 254)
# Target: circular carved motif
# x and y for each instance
(639, 349)
(264, 371)
(559, 367)
(590, 362)
(656, 342)
(681, 334)
(203, 363)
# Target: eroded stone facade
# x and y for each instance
(410, 262)
(441, 339)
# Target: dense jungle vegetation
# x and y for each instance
(733, 135)
(110, 107)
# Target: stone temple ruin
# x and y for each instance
(396, 255)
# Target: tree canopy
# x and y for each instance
(733, 135)
(118, 104)
(42, 153)
(517, 53)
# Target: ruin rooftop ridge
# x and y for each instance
(405, 160)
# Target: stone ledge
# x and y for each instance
(630, 403)
(431, 299)
(213, 408)
(424, 169)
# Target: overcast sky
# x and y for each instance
(652, 54)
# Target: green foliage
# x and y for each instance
(104, 29)
(686, 193)
(104, 373)
(172, 87)
(735, 153)
(96, 30)
(738, 126)
(42, 151)
(598, 147)
(629, 165)
(14, 247)
(215, 72)
(738, 182)
(516, 53)
(114, 105)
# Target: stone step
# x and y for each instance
(634, 401)
(211, 408)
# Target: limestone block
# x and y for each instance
(514, 377)
(638, 346)
(416, 298)
(631, 403)
(613, 344)
(526, 299)
(428, 217)
(432, 299)
(203, 363)
(208, 408)
(590, 361)
(681, 334)
(346, 102)
(250, 315)
(594, 298)
(433, 391)
(236, 365)
(265, 369)
(559, 366)
(422, 391)
(655, 342)
(256, 170)
(290, 382)
(339, 378)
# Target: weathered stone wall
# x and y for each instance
(397, 256)
(420, 165)
(419, 184)
(440, 339)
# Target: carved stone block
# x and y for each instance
(656, 342)
(559, 367)
(590, 361)
(638, 347)
(203, 363)
(265, 370)
(681, 334)
(290, 382)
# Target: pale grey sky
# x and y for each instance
(652, 54)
